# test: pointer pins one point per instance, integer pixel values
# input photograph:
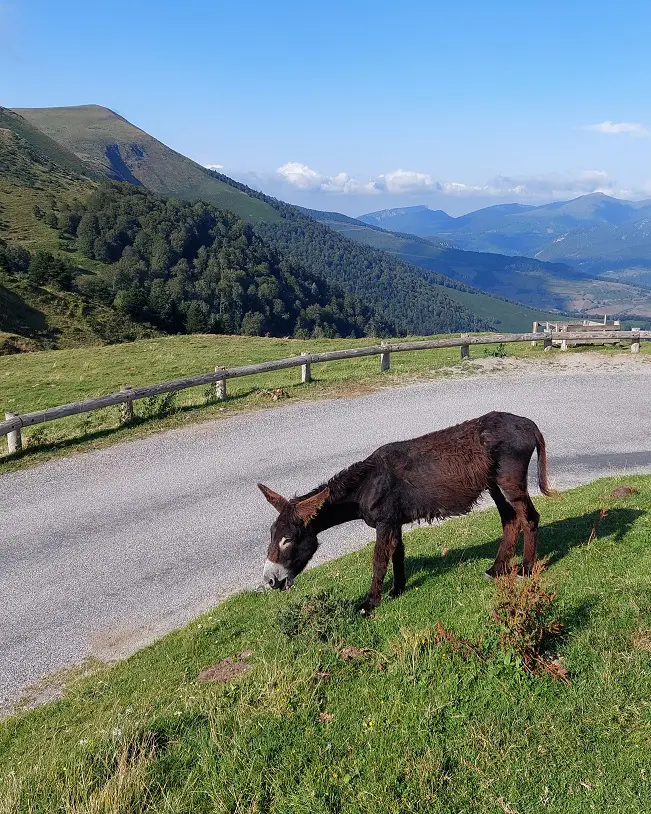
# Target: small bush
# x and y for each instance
(159, 406)
(37, 438)
(499, 351)
(323, 616)
(523, 611)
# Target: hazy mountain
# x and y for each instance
(547, 286)
(517, 229)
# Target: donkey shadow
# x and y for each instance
(555, 541)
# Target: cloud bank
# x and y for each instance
(613, 128)
(303, 178)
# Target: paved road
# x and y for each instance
(105, 551)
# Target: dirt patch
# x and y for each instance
(624, 491)
(49, 688)
(227, 669)
(642, 640)
(325, 717)
(351, 652)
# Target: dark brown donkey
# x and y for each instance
(431, 477)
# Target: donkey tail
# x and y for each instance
(543, 480)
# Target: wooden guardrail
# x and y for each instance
(14, 422)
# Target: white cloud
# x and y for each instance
(407, 182)
(305, 178)
(214, 166)
(417, 185)
(630, 128)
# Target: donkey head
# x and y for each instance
(293, 539)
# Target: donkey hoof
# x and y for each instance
(394, 593)
(368, 606)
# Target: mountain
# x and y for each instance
(397, 290)
(502, 314)
(413, 220)
(420, 286)
(539, 287)
(83, 262)
(113, 148)
(517, 229)
(614, 251)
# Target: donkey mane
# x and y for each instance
(341, 485)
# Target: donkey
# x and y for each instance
(437, 475)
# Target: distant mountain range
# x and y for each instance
(551, 286)
(595, 233)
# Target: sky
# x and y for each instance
(357, 106)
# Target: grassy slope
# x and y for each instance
(414, 727)
(89, 130)
(31, 179)
(547, 286)
(38, 380)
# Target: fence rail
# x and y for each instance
(14, 422)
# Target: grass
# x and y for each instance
(88, 130)
(409, 725)
(35, 381)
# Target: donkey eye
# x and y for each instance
(285, 541)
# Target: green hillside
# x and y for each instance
(501, 313)
(550, 286)
(115, 149)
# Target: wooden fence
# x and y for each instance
(14, 422)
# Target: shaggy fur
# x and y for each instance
(431, 477)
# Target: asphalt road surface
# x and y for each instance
(105, 551)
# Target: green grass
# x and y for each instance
(413, 727)
(35, 381)
(88, 130)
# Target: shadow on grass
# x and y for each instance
(555, 540)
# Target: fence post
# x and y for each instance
(464, 349)
(306, 371)
(126, 408)
(14, 438)
(564, 344)
(384, 357)
(635, 342)
(547, 342)
(220, 386)
(535, 331)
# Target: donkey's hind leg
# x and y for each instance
(530, 528)
(398, 560)
(510, 533)
(512, 482)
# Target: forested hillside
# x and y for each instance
(404, 293)
(189, 267)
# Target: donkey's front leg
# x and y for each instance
(387, 538)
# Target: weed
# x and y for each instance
(523, 611)
(158, 406)
(322, 616)
(37, 438)
(499, 351)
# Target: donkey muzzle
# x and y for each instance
(276, 576)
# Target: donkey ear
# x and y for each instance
(276, 500)
(306, 510)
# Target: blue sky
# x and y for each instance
(358, 106)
